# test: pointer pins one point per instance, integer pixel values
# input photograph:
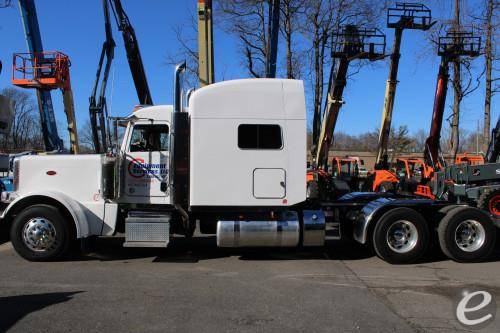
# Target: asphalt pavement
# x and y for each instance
(197, 287)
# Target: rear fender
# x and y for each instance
(372, 211)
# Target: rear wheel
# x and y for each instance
(40, 233)
(489, 201)
(466, 234)
(401, 236)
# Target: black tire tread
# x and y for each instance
(396, 258)
(60, 224)
(447, 246)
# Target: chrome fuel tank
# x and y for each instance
(280, 233)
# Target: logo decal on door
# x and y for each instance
(138, 169)
(134, 168)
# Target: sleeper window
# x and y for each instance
(149, 138)
(252, 136)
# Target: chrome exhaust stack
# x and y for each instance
(188, 95)
(179, 147)
(179, 70)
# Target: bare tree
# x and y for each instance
(250, 21)
(86, 138)
(457, 88)
(490, 26)
(187, 50)
(322, 19)
(25, 132)
(291, 11)
(464, 83)
(318, 27)
(5, 3)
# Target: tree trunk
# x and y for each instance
(267, 35)
(488, 54)
(457, 87)
(288, 39)
(318, 82)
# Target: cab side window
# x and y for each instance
(148, 138)
(260, 136)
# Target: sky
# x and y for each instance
(76, 28)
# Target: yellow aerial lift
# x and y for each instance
(404, 16)
(205, 43)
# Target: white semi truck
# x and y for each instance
(232, 161)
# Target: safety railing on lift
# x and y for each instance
(408, 15)
(44, 70)
(459, 43)
(360, 43)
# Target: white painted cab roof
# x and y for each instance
(250, 98)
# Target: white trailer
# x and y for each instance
(234, 161)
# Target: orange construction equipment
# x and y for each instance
(469, 159)
(46, 71)
(382, 180)
(411, 173)
(413, 168)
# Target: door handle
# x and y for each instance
(282, 184)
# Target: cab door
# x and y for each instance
(146, 163)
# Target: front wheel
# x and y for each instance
(401, 236)
(466, 234)
(40, 233)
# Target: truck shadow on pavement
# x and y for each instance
(183, 250)
(14, 308)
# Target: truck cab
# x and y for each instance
(238, 151)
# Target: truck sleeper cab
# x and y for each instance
(232, 162)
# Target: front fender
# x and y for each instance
(73, 207)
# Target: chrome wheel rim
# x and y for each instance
(39, 234)
(470, 235)
(402, 236)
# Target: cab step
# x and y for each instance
(147, 229)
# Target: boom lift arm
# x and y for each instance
(205, 43)
(133, 53)
(98, 109)
(350, 43)
(273, 38)
(404, 16)
(51, 138)
(455, 44)
(45, 71)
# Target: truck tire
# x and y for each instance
(401, 236)
(40, 233)
(466, 234)
(489, 201)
